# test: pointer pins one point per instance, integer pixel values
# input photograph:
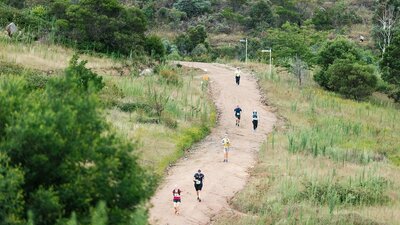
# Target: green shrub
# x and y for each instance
(45, 206)
(342, 49)
(82, 75)
(260, 15)
(169, 121)
(350, 79)
(335, 17)
(357, 191)
(111, 95)
(194, 36)
(193, 8)
(133, 106)
(104, 26)
(170, 76)
(11, 193)
(155, 47)
(69, 155)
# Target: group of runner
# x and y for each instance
(198, 186)
(199, 176)
(238, 110)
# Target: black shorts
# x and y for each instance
(176, 200)
(238, 117)
(198, 187)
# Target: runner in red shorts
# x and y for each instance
(176, 193)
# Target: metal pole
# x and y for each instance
(246, 52)
(270, 62)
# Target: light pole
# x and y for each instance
(270, 60)
(245, 40)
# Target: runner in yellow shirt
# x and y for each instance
(226, 143)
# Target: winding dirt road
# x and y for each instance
(222, 180)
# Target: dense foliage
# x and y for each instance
(58, 156)
(100, 25)
(344, 69)
(188, 41)
(352, 80)
(391, 67)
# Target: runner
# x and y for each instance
(255, 120)
(198, 183)
(227, 144)
(237, 75)
(238, 111)
(176, 193)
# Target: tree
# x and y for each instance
(385, 22)
(84, 77)
(15, 3)
(155, 47)
(193, 8)
(352, 80)
(236, 4)
(339, 48)
(298, 68)
(100, 25)
(260, 15)
(334, 17)
(11, 192)
(70, 158)
(390, 66)
(292, 41)
(193, 37)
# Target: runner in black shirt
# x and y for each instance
(198, 183)
(238, 111)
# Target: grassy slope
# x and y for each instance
(158, 145)
(325, 165)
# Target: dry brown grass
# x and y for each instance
(47, 58)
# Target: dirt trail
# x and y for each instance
(222, 180)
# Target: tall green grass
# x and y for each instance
(185, 111)
(330, 161)
(324, 124)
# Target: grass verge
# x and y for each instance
(333, 161)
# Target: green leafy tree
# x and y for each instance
(335, 17)
(292, 41)
(70, 158)
(193, 37)
(339, 48)
(385, 22)
(260, 15)
(45, 206)
(155, 47)
(11, 192)
(193, 8)
(352, 80)
(236, 4)
(15, 3)
(82, 75)
(390, 67)
(100, 25)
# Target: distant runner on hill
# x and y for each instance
(255, 120)
(237, 75)
(198, 183)
(226, 143)
(238, 112)
(176, 193)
